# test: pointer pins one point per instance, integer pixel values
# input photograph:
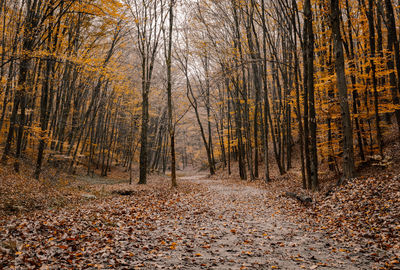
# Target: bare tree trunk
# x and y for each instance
(46, 97)
(171, 125)
(393, 47)
(309, 84)
(348, 152)
(355, 94)
(265, 91)
(370, 17)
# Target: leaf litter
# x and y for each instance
(206, 223)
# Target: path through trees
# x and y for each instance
(209, 224)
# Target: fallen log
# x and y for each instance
(300, 197)
(124, 192)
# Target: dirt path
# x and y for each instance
(215, 225)
(246, 233)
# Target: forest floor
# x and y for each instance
(207, 223)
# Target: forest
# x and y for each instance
(199, 134)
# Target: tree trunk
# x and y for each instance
(309, 83)
(370, 17)
(348, 152)
(393, 47)
(171, 125)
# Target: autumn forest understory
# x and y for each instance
(199, 134)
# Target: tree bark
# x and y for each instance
(348, 152)
(171, 125)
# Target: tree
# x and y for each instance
(171, 126)
(348, 154)
(149, 17)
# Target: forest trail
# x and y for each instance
(251, 234)
(206, 224)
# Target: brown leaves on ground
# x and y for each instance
(22, 193)
(367, 208)
(205, 223)
(365, 211)
(101, 233)
(212, 224)
(363, 214)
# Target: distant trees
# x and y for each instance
(149, 18)
(254, 50)
(69, 88)
(261, 82)
(61, 70)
